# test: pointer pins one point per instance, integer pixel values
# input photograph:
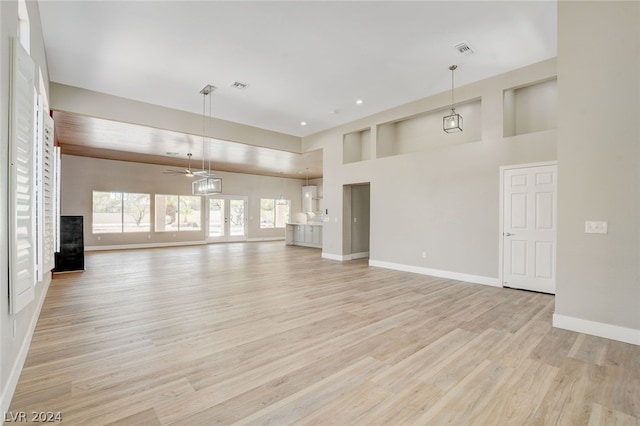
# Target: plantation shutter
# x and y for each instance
(22, 259)
(48, 196)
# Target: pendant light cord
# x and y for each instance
(203, 127)
(209, 139)
(452, 68)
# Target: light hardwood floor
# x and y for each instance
(261, 333)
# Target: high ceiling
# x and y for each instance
(303, 61)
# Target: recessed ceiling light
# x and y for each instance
(359, 102)
(303, 123)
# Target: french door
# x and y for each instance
(226, 219)
(529, 219)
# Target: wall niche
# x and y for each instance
(530, 108)
(423, 132)
(356, 146)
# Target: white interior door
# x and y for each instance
(529, 199)
(227, 219)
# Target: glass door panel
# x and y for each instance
(227, 219)
(237, 217)
(216, 217)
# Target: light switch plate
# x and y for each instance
(595, 227)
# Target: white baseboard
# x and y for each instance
(354, 256)
(476, 279)
(255, 240)
(171, 244)
(146, 245)
(609, 331)
(331, 256)
(345, 257)
(16, 369)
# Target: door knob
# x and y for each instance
(508, 234)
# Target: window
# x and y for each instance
(115, 212)
(24, 26)
(274, 214)
(178, 213)
(137, 211)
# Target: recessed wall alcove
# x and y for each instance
(356, 146)
(531, 108)
(423, 132)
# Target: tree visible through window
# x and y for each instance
(178, 213)
(116, 212)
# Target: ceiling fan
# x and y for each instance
(188, 172)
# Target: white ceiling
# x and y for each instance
(303, 61)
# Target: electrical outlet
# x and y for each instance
(424, 254)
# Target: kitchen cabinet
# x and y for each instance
(307, 235)
(299, 233)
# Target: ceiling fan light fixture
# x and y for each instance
(188, 172)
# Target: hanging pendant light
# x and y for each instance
(209, 185)
(453, 122)
(281, 201)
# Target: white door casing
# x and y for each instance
(529, 220)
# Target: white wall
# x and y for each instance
(599, 168)
(82, 175)
(443, 201)
(14, 347)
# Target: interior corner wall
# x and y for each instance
(598, 275)
(14, 344)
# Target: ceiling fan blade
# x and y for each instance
(202, 173)
(174, 172)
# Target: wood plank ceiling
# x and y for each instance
(99, 138)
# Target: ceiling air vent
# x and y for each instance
(464, 48)
(239, 85)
